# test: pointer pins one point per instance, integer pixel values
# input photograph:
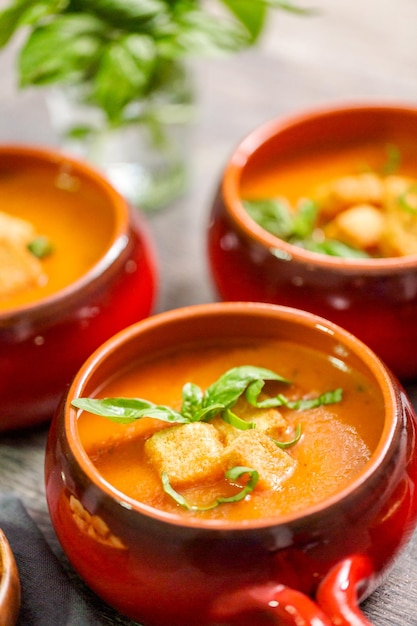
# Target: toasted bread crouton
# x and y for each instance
(16, 229)
(188, 453)
(346, 191)
(19, 268)
(256, 450)
(362, 226)
(400, 234)
(268, 421)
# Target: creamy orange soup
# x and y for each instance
(299, 175)
(69, 211)
(336, 441)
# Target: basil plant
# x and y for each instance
(124, 50)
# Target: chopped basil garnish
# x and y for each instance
(218, 399)
(393, 160)
(408, 200)
(297, 227)
(199, 406)
(232, 474)
(288, 444)
(40, 246)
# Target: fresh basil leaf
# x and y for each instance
(251, 15)
(252, 394)
(305, 218)
(127, 14)
(290, 7)
(236, 421)
(333, 247)
(232, 474)
(24, 13)
(287, 444)
(127, 410)
(192, 400)
(208, 412)
(230, 386)
(40, 246)
(393, 160)
(274, 215)
(66, 48)
(170, 491)
(123, 73)
(407, 201)
(197, 33)
(328, 397)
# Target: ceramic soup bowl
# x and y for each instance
(9, 584)
(90, 273)
(333, 505)
(360, 157)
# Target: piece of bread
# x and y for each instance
(256, 450)
(269, 421)
(189, 453)
(19, 268)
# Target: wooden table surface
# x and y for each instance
(347, 52)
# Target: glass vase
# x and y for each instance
(147, 156)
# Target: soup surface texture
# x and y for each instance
(336, 440)
(352, 200)
(71, 212)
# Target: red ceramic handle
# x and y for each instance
(337, 599)
(286, 606)
(337, 594)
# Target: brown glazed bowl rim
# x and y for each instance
(117, 243)
(254, 141)
(384, 380)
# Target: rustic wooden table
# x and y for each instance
(348, 52)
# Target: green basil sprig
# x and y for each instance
(198, 405)
(297, 227)
(232, 474)
(40, 247)
(122, 51)
(201, 406)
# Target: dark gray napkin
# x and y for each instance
(49, 598)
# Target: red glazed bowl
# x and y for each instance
(375, 299)
(45, 340)
(311, 567)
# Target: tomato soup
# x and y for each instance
(334, 445)
(67, 209)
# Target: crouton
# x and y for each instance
(188, 453)
(347, 191)
(361, 226)
(397, 186)
(19, 269)
(255, 449)
(400, 234)
(269, 421)
(16, 229)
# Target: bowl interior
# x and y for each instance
(297, 151)
(206, 325)
(69, 203)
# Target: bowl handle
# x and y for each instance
(337, 594)
(286, 606)
(337, 599)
